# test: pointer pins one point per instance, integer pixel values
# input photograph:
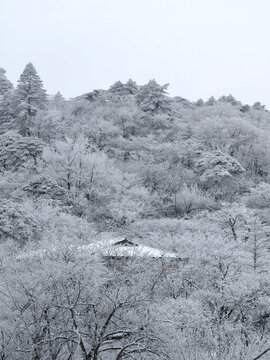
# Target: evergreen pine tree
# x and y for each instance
(199, 102)
(131, 87)
(7, 111)
(211, 101)
(30, 96)
(58, 101)
(258, 106)
(5, 84)
(229, 99)
(118, 88)
(6, 102)
(245, 108)
(152, 98)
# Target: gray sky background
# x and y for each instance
(201, 47)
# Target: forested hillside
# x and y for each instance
(186, 177)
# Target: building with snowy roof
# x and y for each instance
(113, 251)
(118, 253)
(124, 248)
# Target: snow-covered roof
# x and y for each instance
(114, 248)
(124, 248)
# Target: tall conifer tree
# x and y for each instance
(5, 84)
(6, 96)
(30, 97)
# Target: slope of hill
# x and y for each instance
(193, 178)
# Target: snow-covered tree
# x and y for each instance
(258, 106)
(30, 97)
(58, 101)
(5, 84)
(131, 87)
(152, 98)
(214, 167)
(211, 101)
(16, 151)
(122, 90)
(230, 100)
(88, 178)
(245, 108)
(249, 234)
(259, 196)
(199, 102)
(16, 223)
(7, 111)
(44, 186)
(190, 199)
(118, 88)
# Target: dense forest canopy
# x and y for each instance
(186, 177)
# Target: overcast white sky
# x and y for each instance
(201, 47)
